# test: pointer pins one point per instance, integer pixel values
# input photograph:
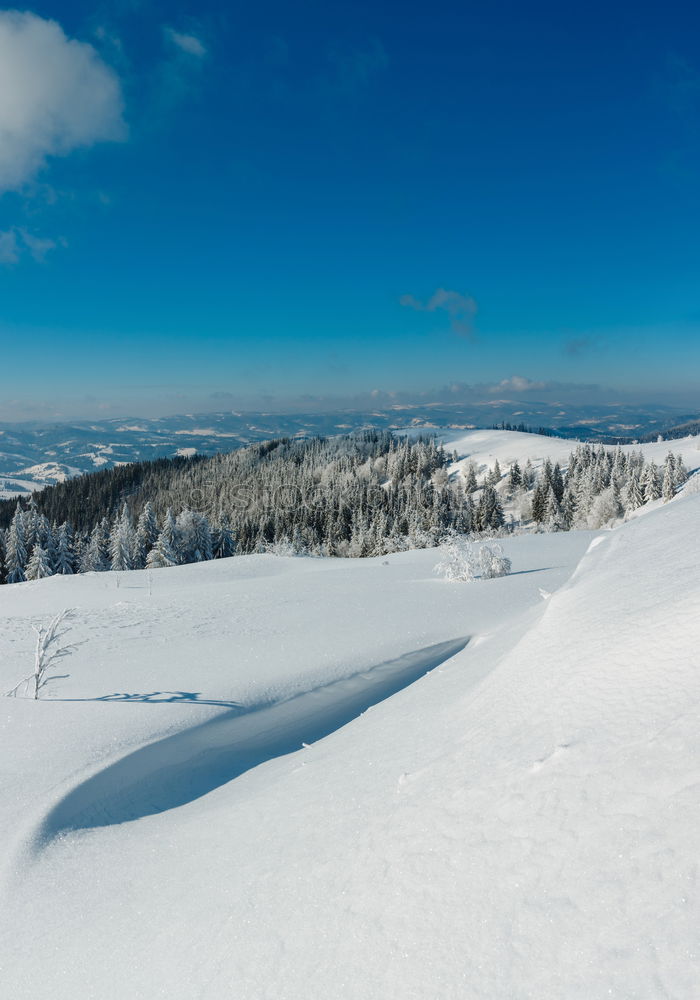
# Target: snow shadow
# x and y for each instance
(159, 698)
(181, 768)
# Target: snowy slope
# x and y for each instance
(519, 823)
(483, 447)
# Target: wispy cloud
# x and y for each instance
(17, 242)
(9, 251)
(518, 383)
(190, 44)
(460, 308)
(56, 95)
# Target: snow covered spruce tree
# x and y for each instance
(39, 565)
(146, 535)
(122, 542)
(64, 562)
(164, 552)
(96, 556)
(16, 550)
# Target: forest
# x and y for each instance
(363, 494)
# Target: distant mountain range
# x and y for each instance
(33, 455)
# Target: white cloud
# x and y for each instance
(518, 383)
(16, 243)
(460, 308)
(187, 43)
(38, 246)
(9, 251)
(56, 95)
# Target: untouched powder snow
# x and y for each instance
(519, 822)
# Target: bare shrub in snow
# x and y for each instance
(47, 651)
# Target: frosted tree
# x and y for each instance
(680, 473)
(193, 537)
(515, 477)
(605, 509)
(95, 558)
(552, 512)
(122, 542)
(649, 482)
(165, 551)
(632, 496)
(569, 509)
(146, 535)
(528, 475)
(39, 565)
(539, 503)
(162, 554)
(169, 531)
(494, 476)
(203, 548)
(668, 488)
(222, 538)
(65, 558)
(16, 554)
(557, 482)
(489, 512)
(45, 536)
(31, 525)
(470, 482)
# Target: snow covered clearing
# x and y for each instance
(515, 817)
(484, 447)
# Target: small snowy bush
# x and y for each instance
(462, 560)
(458, 561)
(285, 547)
(492, 562)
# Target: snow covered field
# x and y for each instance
(249, 785)
(484, 447)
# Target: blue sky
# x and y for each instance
(281, 205)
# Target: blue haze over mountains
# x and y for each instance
(34, 454)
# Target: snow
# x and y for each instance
(518, 822)
(37, 476)
(206, 432)
(483, 447)
(49, 472)
(11, 487)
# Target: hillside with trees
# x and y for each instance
(359, 495)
